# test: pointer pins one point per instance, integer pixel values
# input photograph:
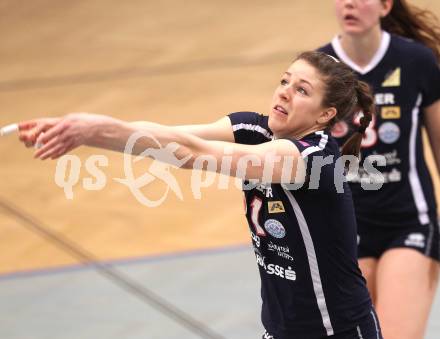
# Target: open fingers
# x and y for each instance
(27, 137)
(51, 133)
(53, 152)
(62, 150)
(27, 125)
(47, 148)
(30, 130)
(25, 132)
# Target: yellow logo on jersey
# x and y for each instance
(276, 207)
(393, 80)
(390, 112)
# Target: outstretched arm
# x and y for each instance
(261, 162)
(218, 130)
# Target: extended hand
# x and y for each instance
(58, 135)
(30, 130)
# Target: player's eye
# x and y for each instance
(284, 82)
(301, 90)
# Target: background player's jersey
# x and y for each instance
(405, 78)
(305, 244)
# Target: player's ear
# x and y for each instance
(326, 115)
(387, 5)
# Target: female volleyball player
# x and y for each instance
(394, 47)
(304, 237)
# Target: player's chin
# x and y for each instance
(276, 125)
(354, 30)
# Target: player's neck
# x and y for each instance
(298, 135)
(362, 48)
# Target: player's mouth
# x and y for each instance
(279, 110)
(350, 19)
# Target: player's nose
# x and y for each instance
(348, 3)
(284, 92)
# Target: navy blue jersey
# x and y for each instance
(305, 244)
(405, 78)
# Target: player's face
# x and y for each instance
(296, 103)
(361, 16)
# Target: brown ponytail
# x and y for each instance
(414, 23)
(365, 104)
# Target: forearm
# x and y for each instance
(135, 138)
(150, 139)
(218, 130)
(196, 130)
(166, 144)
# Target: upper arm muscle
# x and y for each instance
(273, 161)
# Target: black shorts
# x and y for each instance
(368, 328)
(374, 240)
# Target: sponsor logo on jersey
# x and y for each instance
(393, 176)
(392, 158)
(277, 270)
(340, 129)
(275, 207)
(366, 178)
(286, 273)
(266, 189)
(275, 228)
(267, 336)
(385, 177)
(389, 132)
(392, 79)
(257, 251)
(282, 251)
(415, 240)
(256, 239)
(261, 260)
(390, 112)
(384, 99)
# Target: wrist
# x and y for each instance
(100, 129)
